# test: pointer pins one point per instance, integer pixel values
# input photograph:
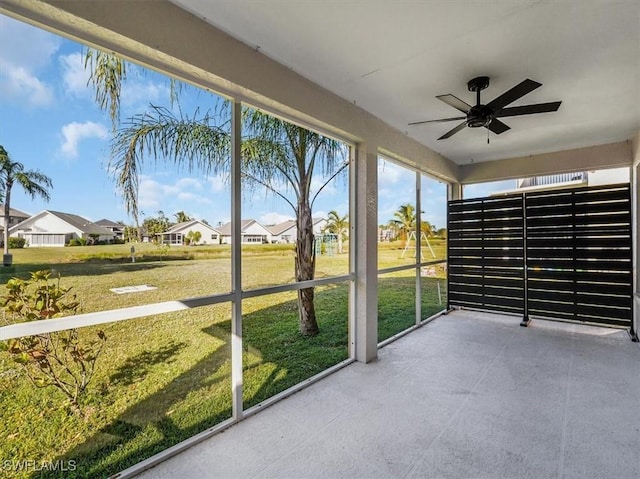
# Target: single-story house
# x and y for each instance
(116, 228)
(177, 234)
(286, 232)
(15, 217)
(252, 232)
(54, 228)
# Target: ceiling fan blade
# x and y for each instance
(442, 120)
(453, 131)
(529, 109)
(518, 91)
(455, 102)
(497, 127)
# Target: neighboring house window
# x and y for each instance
(214, 237)
(254, 239)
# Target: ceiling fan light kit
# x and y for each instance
(487, 115)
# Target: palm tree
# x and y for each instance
(273, 152)
(33, 182)
(427, 228)
(156, 225)
(338, 225)
(182, 217)
(405, 220)
(192, 237)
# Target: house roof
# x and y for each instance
(81, 223)
(188, 224)
(287, 225)
(15, 213)
(282, 227)
(225, 229)
(75, 221)
(108, 223)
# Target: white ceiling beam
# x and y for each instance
(613, 155)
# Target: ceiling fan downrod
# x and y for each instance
(479, 115)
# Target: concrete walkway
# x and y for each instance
(470, 395)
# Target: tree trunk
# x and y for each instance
(7, 215)
(305, 269)
(138, 230)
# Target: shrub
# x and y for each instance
(77, 242)
(162, 249)
(15, 242)
(59, 359)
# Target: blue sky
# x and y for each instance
(50, 122)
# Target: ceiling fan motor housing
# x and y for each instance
(479, 115)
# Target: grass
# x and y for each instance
(164, 378)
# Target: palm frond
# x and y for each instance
(34, 183)
(276, 149)
(190, 143)
(107, 71)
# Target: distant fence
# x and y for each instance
(552, 179)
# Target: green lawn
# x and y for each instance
(164, 378)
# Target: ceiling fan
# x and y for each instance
(487, 115)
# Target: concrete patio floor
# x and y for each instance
(469, 395)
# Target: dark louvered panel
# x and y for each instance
(578, 255)
(486, 253)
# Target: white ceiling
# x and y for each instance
(393, 57)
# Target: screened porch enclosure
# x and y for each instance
(468, 393)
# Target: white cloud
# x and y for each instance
(27, 46)
(150, 193)
(75, 132)
(193, 198)
(74, 74)
(395, 183)
(320, 214)
(153, 195)
(136, 93)
(218, 183)
(274, 218)
(31, 50)
(18, 83)
(189, 183)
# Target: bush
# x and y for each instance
(15, 242)
(58, 359)
(77, 242)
